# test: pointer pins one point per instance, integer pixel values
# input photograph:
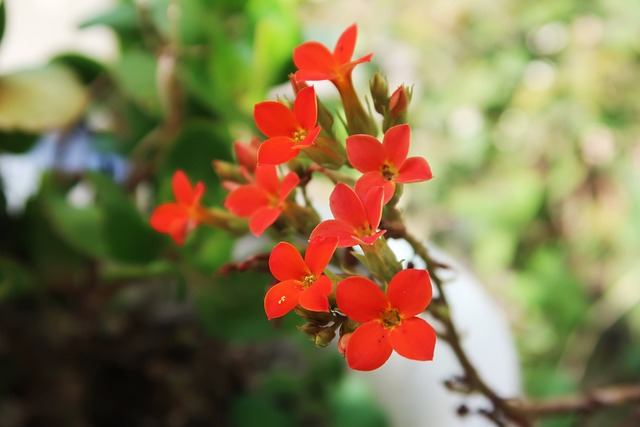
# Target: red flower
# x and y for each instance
(385, 164)
(177, 219)
(389, 321)
(301, 281)
(316, 62)
(287, 131)
(263, 200)
(356, 220)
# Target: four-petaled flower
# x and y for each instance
(263, 200)
(177, 219)
(287, 131)
(356, 220)
(316, 62)
(385, 164)
(301, 280)
(388, 322)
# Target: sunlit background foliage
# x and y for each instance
(527, 111)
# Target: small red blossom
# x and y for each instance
(247, 154)
(316, 62)
(177, 219)
(263, 200)
(287, 131)
(356, 220)
(385, 164)
(301, 280)
(388, 322)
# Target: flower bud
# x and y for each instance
(399, 102)
(327, 152)
(379, 93)
(228, 171)
(324, 336)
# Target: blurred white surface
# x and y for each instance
(39, 29)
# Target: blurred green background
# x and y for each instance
(527, 111)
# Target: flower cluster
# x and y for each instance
(373, 306)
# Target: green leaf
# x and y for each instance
(14, 278)
(122, 18)
(135, 73)
(86, 68)
(2, 19)
(17, 142)
(37, 100)
(128, 236)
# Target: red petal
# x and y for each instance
(245, 200)
(274, 119)
(373, 204)
(246, 155)
(286, 263)
(305, 108)
(165, 215)
(275, 151)
(313, 75)
(313, 56)
(314, 298)
(414, 339)
(414, 169)
(374, 179)
(267, 178)
(360, 299)
(396, 144)
(282, 298)
(368, 347)
(409, 292)
(365, 153)
(289, 182)
(262, 219)
(346, 206)
(343, 231)
(346, 45)
(182, 189)
(319, 253)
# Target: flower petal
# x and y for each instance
(346, 45)
(369, 240)
(360, 299)
(309, 139)
(274, 119)
(286, 263)
(346, 206)
(396, 144)
(319, 253)
(313, 56)
(410, 291)
(282, 298)
(341, 230)
(182, 189)
(262, 219)
(365, 153)
(414, 169)
(276, 151)
(314, 298)
(373, 204)
(165, 215)
(289, 182)
(307, 75)
(305, 108)
(414, 339)
(368, 347)
(245, 200)
(267, 178)
(374, 179)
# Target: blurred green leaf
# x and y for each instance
(122, 18)
(14, 278)
(85, 67)
(135, 73)
(40, 99)
(17, 142)
(128, 236)
(2, 19)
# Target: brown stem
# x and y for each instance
(605, 397)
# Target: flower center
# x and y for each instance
(388, 172)
(308, 280)
(390, 318)
(300, 135)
